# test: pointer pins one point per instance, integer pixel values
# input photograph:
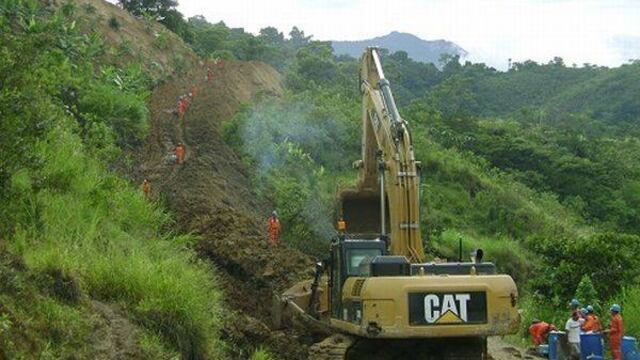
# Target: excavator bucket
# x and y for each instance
(360, 209)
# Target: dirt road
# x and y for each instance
(501, 350)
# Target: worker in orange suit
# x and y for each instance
(194, 91)
(616, 332)
(209, 75)
(591, 321)
(182, 107)
(146, 188)
(539, 331)
(274, 229)
(179, 153)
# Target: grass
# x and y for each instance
(509, 255)
(262, 354)
(95, 228)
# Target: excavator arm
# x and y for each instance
(388, 168)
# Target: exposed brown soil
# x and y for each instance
(500, 350)
(211, 195)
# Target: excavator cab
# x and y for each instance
(347, 259)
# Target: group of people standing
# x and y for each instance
(583, 320)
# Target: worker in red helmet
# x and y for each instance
(274, 229)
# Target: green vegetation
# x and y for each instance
(73, 232)
(261, 354)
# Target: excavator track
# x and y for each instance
(335, 347)
(345, 347)
(432, 349)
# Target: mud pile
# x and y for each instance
(211, 195)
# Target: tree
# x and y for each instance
(587, 293)
(271, 36)
(164, 11)
(209, 39)
(158, 8)
(298, 39)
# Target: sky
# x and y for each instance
(605, 32)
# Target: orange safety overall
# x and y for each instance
(274, 231)
(591, 323)
(182, 106)
(539, 332)
(146, 188)
(615, 336)
(180, 154)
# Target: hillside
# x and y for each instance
(428, 51)
(539, 166)
(108, 273)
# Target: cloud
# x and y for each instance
(627, 47)
(492, 31)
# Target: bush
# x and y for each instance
(261, 354)
(586, 293)
(114, 23)
(629, 299)
(608, 258)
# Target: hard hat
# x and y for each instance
(615, 308)
(274, 213)
(535, 321)
(584, 311)
(574, 302)
(589, 308)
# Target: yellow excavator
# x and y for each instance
(375, 292)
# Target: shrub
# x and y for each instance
(609, 259)
(586, 293)
(114, 23)
(629, 299)
(261, 354)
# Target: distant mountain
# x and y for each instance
(417, 49)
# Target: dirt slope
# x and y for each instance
(211, 194)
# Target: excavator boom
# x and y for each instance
(389, 178)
